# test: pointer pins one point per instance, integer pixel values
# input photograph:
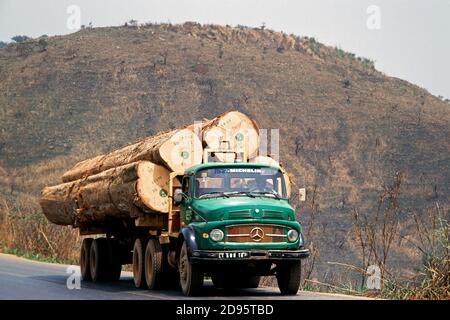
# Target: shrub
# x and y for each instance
(20, 39)
(347, 83)
(42, 43)
(340, 53)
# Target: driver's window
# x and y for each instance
(185, 185)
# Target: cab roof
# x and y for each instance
(202, 166)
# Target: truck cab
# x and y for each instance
(236, 225)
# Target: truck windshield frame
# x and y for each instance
(239, 181)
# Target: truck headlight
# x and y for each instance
(292, 235)
(216, 234)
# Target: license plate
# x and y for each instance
(233, 255)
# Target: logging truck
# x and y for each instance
(229, 221)
(198, 201)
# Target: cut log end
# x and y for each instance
(235, 131)
(182, 151)
(152, 187)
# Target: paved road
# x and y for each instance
(26, 279)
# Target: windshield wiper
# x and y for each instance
(247, 193)
(215, 193)
(227, 194)
(275, 194)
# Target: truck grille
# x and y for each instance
(256, 233)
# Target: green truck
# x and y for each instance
(229, 221)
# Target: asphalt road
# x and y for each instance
(26, 279)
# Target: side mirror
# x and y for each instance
(302, 194)
(177, 197)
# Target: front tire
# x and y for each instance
(191, 277)
(288, 277)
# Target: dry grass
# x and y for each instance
(434, 245)
(23, 229)
(377, 235)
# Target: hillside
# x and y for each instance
(346, 129)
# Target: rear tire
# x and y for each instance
(139, 262)
(85, 253)
(191, 276)
(154, 264)
(288, 277)
(115, 263)
(99, 260)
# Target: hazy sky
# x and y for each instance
(413, 41)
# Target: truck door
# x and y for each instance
(185, 206)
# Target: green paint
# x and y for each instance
(239, 137)
(184, 154)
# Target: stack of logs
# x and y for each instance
(136, 177)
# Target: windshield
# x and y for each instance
(235, 181)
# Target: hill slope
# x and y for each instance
(345, 128)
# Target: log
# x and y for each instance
(272, 162)
(232, 130)
(117, 193)
(177, 150)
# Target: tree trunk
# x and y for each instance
(232, 130)
(112, 194)
(177, 150)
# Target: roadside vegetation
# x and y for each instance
(24, 231)
(377, 235)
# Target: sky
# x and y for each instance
(408, 39)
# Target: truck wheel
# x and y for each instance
(115, 263)
(288, 277)
(138, 263)
(99, 260)
(154, 264)
(191, 277)
(84, 259)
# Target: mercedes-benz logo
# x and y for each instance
(257, 234)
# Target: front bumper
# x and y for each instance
(254, 255)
